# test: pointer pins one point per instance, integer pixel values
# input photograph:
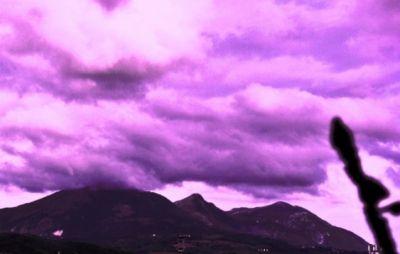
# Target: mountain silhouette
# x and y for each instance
(115, 217)
(141, 221)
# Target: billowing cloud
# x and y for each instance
(76, 50)
(254, 140)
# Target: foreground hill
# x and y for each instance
(22, 244)
(144, 222)
(11, 243)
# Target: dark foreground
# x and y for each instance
(23, 244)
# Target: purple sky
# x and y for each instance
(231, 99)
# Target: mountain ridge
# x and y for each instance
(130, 219)
(207, 212)
(296, 224)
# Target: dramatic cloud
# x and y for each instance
(254, 138)
(77, 50)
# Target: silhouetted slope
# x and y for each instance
(108, 216)
(207, 212)
(295, 225)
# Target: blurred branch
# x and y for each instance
(370, 190)
(393, 208)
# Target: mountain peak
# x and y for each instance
(281, 204)
(205, 211)
(194, 199)
(196, 196)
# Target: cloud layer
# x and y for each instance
(143, 93)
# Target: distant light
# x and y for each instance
(58, 233)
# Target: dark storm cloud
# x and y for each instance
(227, 149)
(279, 127)
(210, 146)
(68, 77)
(126, 79)
(53, 175)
